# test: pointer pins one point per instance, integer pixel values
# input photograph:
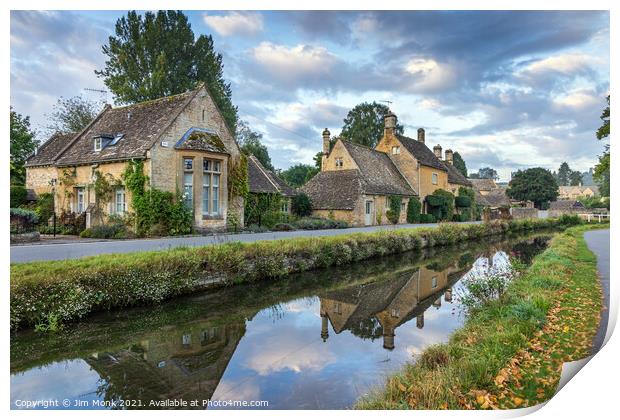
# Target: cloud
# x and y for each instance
(427, 75)
(235, 23)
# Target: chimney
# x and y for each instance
(437, 151)
(450, 156)
(390, 123)
(324, 331)
(326, 137)
(388, 340)
(421, 135)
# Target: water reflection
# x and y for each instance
(314, 340)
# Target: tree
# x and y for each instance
(602, 172)
(533, 184)
(301, 205)
(250, 144)
(485, 173)
(72, 115)
(563, 175)
(459, 163)
(575, 178)
(23, 144)
(298, 175)
(156, 55)
(364, 124)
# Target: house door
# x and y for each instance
(368, 213)
(80, 200)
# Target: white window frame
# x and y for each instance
(188, 188)
(98, 144)
(80, 193)
(123, 203)
(435, 178)
(395, 150)
(211, 186)
(339, 162)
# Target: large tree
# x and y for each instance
(298, 175)
(563, 175)
(364, 124)
(156, 55)
(71, 115)
(485, 173)
(602, 172)
(459, 163)
(23, 144)
(575, 178)
(533, 184)
(250, 143)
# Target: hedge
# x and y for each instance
(54, 292)
(18, 195)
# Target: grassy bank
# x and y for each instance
(510, 352)
(47, 294)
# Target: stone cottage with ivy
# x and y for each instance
(361, 185)
(182, 143)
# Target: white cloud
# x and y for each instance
(565, 64)
(429, 75)
(235, 23)
(580, 99)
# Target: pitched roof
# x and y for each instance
(566, 205)
(201, 139)
(141, 125)
(379, 174)
(483, 184)
(421, 152)
(497, 198)
(455, 176)
(262, 180)
(575, 189)
(334, 190)
(47, 151)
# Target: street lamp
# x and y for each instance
(53, 184)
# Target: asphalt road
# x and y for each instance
(598, 242)
(78, 249)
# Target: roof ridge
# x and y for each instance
(150, 101)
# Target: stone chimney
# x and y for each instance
(437, 151)
(324, 331)
(388, 340)
(419, 321)
(421, 135)
(326, 138)
(390, 123)
(449, 156)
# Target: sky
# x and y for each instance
(506, 89)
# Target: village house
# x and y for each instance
(567, 192)
(182, 140)
(356, 182)
(263, 181)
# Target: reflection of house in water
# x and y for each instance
(377, 309)
(180, 364)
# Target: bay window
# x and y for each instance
(211, 175)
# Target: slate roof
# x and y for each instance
(455, 176)
(483, 184)
(141, 125)
(497, 198)
(340, 189)
(421, 152)
(262, 180)
(566, 205)
(48, 150)
(570, 189)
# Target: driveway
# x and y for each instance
(78, 249)
(598, 242)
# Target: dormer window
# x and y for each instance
(98, 144)
(339, 162)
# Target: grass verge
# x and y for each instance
(509, 353)
(48, 294)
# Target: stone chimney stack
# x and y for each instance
(437, 151)
(450, 156)
(421, 135)
(324, 331)
(326, 138)
(390, 123)
(388, 339)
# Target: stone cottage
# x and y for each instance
(183, 141)
(568, 192)
(263, 181)
(355, 181)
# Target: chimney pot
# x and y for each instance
(390, 123)
(437, 151)
(326, 138)
(421, 135)
(450, 156)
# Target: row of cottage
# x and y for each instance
(186, 146)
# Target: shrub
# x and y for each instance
(393, 212)
(316, 223)
(45, 206)
(462, 201)
(441, 204)
(427, 218)
(301, 205)
(23, 220)
(106, 231)
(465, 215)
(18, 195)
(413, 210)
(283, 227)
(569, 220)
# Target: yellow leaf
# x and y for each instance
(480, 399)
(517, 401)
(566, 328)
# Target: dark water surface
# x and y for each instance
(316, 340)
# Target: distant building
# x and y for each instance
(568, 192)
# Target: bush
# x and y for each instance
(462, 201)
(427, 218)
(393, 213)
(465, 215)
(107, 231)
(23, 220)
(413, 210)
(569, 220)
(301, 205)
(283, 227)
(441, 204)
(316, 223)
(257, 229)
(45, 206)
(18, 195)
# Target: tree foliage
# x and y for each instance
(156, 55)
(23, 144)
(441, 204)
(393, 212)
(485, 173)
(72, 115)
(563, 176)
(250, 143)
(533, 184)
(364, 124)
(298, 175)
(413, 210)
(301, 205)
(603, 131)
(602, 174)
(459, 163)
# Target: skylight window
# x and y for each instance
(116, 139)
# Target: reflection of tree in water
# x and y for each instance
(526, 251)
(466, 260)
(367, 329)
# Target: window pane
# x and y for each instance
(206, 164)
(217, 166)
(216, 180)
(205, 200)
(188, 178)
(188, 164)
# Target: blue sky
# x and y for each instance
(507, 89)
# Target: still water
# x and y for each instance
(316, 340)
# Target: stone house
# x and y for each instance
(263, 181)
(355, 181)
(183, 141)
(567, 192)
(560, 207)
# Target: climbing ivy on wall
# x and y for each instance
(441, 204)
(413, 210)
(393, 212)
(238, 185)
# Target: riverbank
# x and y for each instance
(49, 294)
(510, 352)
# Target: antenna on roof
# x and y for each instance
(103, 93)
(389, 103)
